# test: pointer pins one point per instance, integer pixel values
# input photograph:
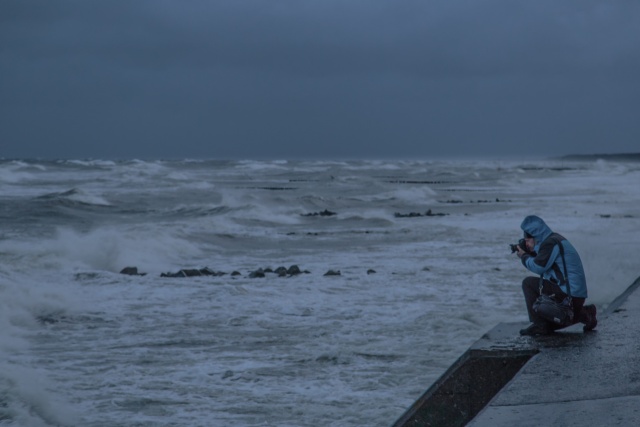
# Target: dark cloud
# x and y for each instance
(296, 78)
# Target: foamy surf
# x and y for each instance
(88, 346)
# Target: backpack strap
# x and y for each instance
(566, 274)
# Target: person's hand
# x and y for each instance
(520, 252)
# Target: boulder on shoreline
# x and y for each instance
(131, 271)
(418, 214)
(293, 270)
(194, 272)
(325, 212)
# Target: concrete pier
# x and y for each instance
(568, 379)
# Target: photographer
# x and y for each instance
(543, 255)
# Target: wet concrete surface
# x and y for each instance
(576, 378)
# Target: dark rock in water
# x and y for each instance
(131, 271)
(371, 271)
(190, 272)
(294, 270)
(409, 215)
(429, 213)
(209, 272)
(275, 188)
(194, 272)
(325, 212)
(333, 273)
(418, 214)
(258, 273)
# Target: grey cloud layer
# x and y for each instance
(317, 78)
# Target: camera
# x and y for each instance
(522, 243)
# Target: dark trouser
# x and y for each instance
(531, 290)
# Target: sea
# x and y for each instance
(391, 269)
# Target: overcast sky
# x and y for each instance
(318, 78)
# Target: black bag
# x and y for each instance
(560, 313)
(546, 306)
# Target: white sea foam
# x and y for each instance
(28, 396)
(86, 197)
(11, 173)
(103, 249)
(31, 399)
(90, 163)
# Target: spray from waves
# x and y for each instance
(90, 164)
(261, 207)
(105, 248)
(261, 166)
(27, 396)
(13, 173)
(410, 195)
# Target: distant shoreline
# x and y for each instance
(628, 157)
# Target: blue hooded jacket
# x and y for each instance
(547, 260)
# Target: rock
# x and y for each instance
(281, 271)
(418, 214)
(409, 215)
(429, 213)
(191, 272)
(209, 272)
(371, 271)
(325, 212)
(131, 271)
(294, 270)
(258, 273)
(183, 273)
(333, 273)
(194, 272)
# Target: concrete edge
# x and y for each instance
(617, 303)
(474, 380)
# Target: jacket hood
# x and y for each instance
(536, 227)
